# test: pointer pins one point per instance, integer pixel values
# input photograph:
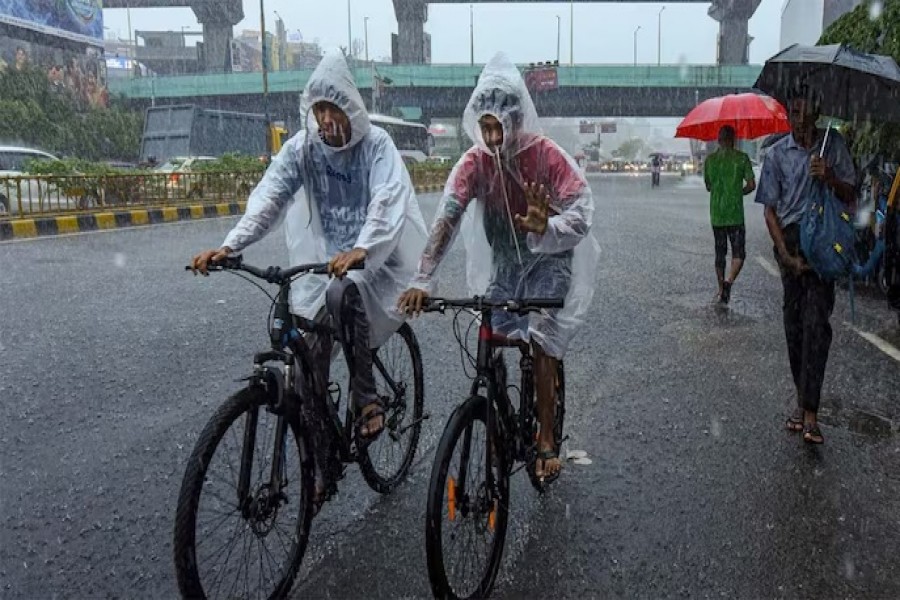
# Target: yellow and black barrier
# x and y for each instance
(104, 220)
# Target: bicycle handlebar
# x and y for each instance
(479, 303)
(275, 275)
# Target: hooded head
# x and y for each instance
(500, 113)
(331, 86)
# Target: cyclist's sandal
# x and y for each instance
(544, 456)
(812, 434)
(795, 421)
(363, 420)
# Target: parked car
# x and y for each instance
(13, 191)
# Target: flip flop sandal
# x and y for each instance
(812, 434)
(544, 456)
(363, 440)
(794, 423)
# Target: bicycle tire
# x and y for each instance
(185, 554)
(386, 483)
(558, 421)
(473, 409)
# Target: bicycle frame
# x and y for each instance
(501, 414)
(288, 403)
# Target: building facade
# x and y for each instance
(803, 21)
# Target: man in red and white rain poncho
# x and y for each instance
(525, 211)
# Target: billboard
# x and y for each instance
(80, 74)
(587, 127)
(539, 79)
(78, 20)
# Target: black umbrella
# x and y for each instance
(852, 85)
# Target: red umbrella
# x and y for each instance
(751, 115)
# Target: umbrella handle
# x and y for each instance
(825, 141)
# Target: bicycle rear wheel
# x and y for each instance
(465, 526)
(226, 547)
(399, 380)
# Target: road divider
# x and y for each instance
(84, 222)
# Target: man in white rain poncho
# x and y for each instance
(359, 206)
(528, 208)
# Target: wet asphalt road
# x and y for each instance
(114, 359)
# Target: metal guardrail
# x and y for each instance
(41, 195)
(38, 195)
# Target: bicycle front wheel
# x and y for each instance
(466, 517)
(248, 547)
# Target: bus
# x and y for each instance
(412, 139)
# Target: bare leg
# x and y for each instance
(545, 368)
(736, 265)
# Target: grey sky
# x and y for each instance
(526, 32)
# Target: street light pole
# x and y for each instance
(471, 34)
(571, 34)
(558, 35)
(366, 27)
(659, 37)
(635, 44)
(265, 78)
(349, 32)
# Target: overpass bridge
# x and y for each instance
(218, 17)
(443, 90)
(733, 17)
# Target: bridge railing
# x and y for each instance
(440, 76)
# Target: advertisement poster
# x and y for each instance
(83, 75)
(78, 20)
(540, 79)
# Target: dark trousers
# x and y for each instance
(808, 303)
(344, 309)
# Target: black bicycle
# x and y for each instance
(468, 496)
(247, 501)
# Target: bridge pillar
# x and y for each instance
(734, 41)
(218, 19)
(411, 17)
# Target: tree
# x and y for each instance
(629, 149)
(880, 35)
(33, 113)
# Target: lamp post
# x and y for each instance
(558, 35)
(265, 78)
(349, 32)
(635, 44)
(659, 37)
(571, 34)
(366, 26)
(471, 34)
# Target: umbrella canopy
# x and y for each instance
(750, 115)
(852, 85)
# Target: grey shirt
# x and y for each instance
(785, 180)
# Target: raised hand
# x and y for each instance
(535, 220)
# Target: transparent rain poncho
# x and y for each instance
(484, 193)
(334, 199)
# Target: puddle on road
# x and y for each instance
(861, 422)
